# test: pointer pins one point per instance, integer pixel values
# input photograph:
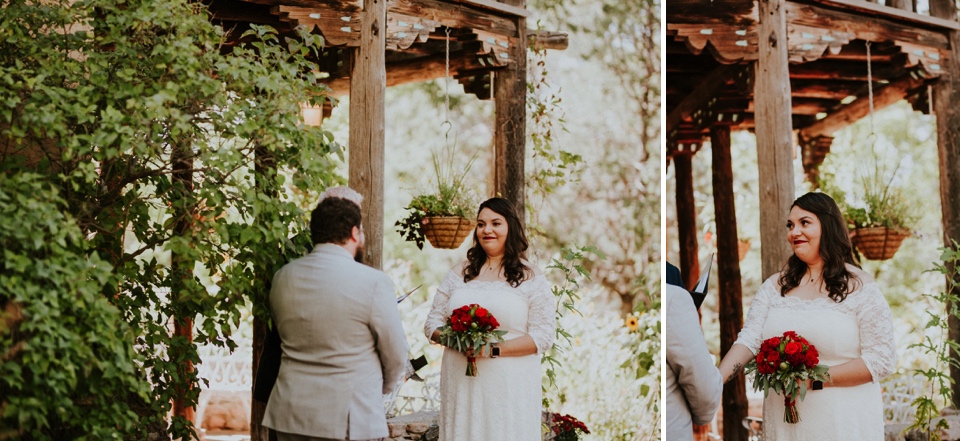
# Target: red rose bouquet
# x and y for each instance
(784, 364)
(470, 327)
(567, 428)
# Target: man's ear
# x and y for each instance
(355, 233)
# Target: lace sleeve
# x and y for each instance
(752, 333)
(541, 316)
(877, 345)
(438, 312)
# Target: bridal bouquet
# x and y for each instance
(784, 364)
(470, 327)
(567, 428)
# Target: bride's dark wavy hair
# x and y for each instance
(515, 246)
(836, 250)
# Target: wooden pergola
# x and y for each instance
(372, 44)
(794, 73)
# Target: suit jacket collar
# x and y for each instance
(331, 249)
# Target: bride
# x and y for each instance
(825, 297)
(504, 400)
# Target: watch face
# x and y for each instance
(817, 385)
(495, 351)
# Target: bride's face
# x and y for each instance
(803, 233)
(491, 232)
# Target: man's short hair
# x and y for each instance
(333, 220)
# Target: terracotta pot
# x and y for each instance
(743, 247)
(446, 232)
(878, 243)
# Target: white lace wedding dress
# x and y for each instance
(503, 402)
(859, 327)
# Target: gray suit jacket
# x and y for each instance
(694, 386)
(343, 347)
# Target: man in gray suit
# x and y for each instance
(694, 385)
(342, 340)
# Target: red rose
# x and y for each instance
(774, 342)
(796, 359)
(793, 347)
(811, 359)
(773, 357)
(766, 368)
(791, 335)
(481, 312)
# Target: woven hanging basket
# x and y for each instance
(878, 243)
(446, 232)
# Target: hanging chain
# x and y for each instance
(446, 92)
(870, 88)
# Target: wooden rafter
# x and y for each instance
(859, 108)
(700, 98)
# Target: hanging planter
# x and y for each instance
(446, 232)
(441, 215)
(878, 243)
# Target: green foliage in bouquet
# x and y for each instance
(449, 197)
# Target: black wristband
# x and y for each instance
(817, 385)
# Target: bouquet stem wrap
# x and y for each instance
(471, 366)
(790, 414)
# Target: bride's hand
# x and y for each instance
(482, 353)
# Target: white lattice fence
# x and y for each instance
(225, 371)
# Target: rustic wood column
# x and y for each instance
(686, 219)
(181, 269)
(265, 167)
(946, 95)
(509, 94)
(367, 89)
(774, 134)
(728, 274)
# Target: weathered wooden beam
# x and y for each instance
(456, 15)
(859, 108)
(411, 71)
(774, 135)
(367, 137)
(946, 97)
(541, 39)
(869, 27)
(510, 91)
(700, 97)
(730, 294)
(501, 8)
(905, 15)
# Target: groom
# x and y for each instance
(694, 386)
(342, 340)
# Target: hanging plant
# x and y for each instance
(883, 217)
(441, 216)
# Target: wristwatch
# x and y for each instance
(494, 350)
(817, 385)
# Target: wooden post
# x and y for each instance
(509, 94)
(264, 169)
(367, 90)
(774, 134)
(728, 271)
(181, 269)
(686, 219)
(946, 95)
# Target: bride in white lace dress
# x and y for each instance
(503, 402)
(822, 295)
